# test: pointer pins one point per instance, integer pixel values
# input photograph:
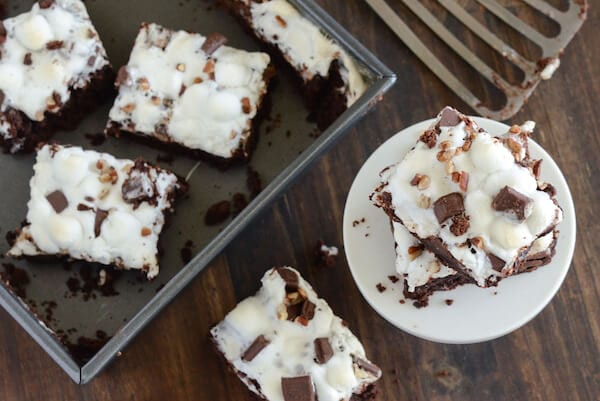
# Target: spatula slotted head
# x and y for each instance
(494, 52)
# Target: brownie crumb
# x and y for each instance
(93, 280)
(217, 213)
(187, 251)
(325, 256)
(449, 302)
(238, 203)
(393, 279)
(402, 301)
(15, 278)
(96, 139)
(49, 307)
(253, 182)
(381, 287)
(443, 373)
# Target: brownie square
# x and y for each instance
(472, 199)
(90, 206)
(192, 93)
(53, 72)
(285, 344)
(330, 78)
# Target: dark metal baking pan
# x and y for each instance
(288, 144)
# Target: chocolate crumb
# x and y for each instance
(402, 301)
(449, 302)
(253, 182)
(27, 59)
(381, 287)
(393, 279)
(325, 256)
(186, 252)
(217, 213)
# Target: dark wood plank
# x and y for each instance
(554, 357)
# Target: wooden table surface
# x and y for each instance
(554, 357)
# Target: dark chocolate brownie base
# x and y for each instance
(369, 394)
(422, 293)
(80, 104)
(322, 94)
(241, 155)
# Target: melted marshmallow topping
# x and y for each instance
(266, 344)
(177, 90)
(91, 206)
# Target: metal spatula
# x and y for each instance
(516, 94)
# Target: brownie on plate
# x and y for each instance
(53, 72)
(286, 344)
(91, 206)
(473, 200)
(331, 78)
(191, 93)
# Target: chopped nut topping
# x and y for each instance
(144, 84)
(198, 80)
(444, 155)
(209, 67)
(445, 145)
(246, 107)
(104, 193)
(414, 252)
(424, 202)
(515, 129)
(282, 312)
(463, 181)
(128, 108)
(450, 167)
(478, 242)
(281, 21)
(416, 179)
(100, 164)
(455, 176)
(180, 67)
(513, 145)
(155, 100)
(424, 182)
(146, 232)
(466, 146)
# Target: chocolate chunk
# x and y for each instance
(58, 200)
(27, 59)
(368, 367)
(122, 76)
(298, 388)
(254, 349)
(293, 311)
(84, 208)
(460, 225)
(46, 3)
(511, 200)
(101, 215)
(246, 106)
(2, 33)
(217, 213)
(91, 61)
(323, 350)
(497, 263)
(290, 277)
(448, 206)
(308, 310)
(429, 138)
(54, 45)
(138, 187)
(449, 118)
(213, 42)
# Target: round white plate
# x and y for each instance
(475, 314)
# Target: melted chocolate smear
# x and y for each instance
(217, 213)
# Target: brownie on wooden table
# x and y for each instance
(90, 206)
(474, 201)
(331, 78)
(286, 344)
(53, 72)
(192, 93)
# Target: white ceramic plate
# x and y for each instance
(476, 314)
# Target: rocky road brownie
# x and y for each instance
(191, 91)
(472, 199)
(286, 344)
(53, 71)
(91, 206)
(331, 78)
